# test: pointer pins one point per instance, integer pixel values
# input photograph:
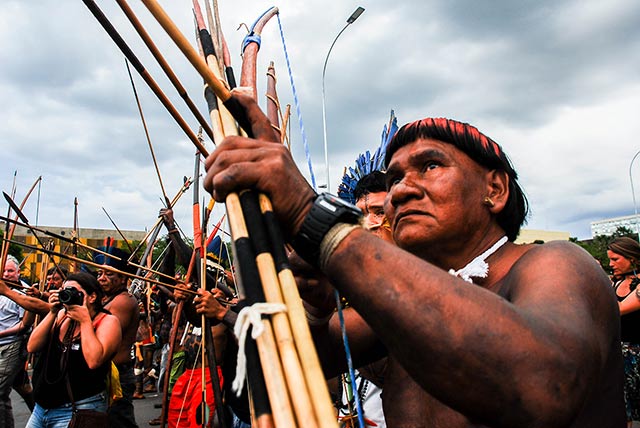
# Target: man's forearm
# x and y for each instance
(29, 303)
(182, 249)
(229, 318)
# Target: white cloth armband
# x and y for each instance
(332, 239)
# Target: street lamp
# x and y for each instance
(355, 15)
(633, 193)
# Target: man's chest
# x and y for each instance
(407, 405)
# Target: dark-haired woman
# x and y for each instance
(624, 254)
(75, 342)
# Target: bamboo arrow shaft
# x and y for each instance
(126, 241)
(226, 124)
(144, 35)
(272, 379)
(146, 132)
(126, 50)
(295, 381)
(198, 63)
(300, 328)
(175, 199)
(183, 44)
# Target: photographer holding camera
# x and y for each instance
(75, 342)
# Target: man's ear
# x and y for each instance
(497, 190)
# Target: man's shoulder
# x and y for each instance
(124, 297)
(558, 265)
(125, 307)
(122, 300)
(564, 253)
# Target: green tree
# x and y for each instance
(625, 231)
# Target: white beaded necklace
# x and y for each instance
(477, 267)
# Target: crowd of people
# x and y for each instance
(450, 322)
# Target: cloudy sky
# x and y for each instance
(556, 83)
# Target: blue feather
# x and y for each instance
(365, 163)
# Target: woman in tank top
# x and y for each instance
(75, 343)
(624, 254)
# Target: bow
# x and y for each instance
(250, 48)
(286, 291)
(10, 227)
(75, 233)
(21, 216)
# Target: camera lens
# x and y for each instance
(70, 296)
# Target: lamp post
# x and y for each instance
(355, 15)
(633, 193)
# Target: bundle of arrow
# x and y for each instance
(285, 380)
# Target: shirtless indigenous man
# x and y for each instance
(480, 332)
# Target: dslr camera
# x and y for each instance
(70, 296)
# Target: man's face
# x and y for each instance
(54, 281)
(11, 271)
(619, 264)
(111, 282)
(435, 197)
(372, 206)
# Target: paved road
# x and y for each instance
(144, 409)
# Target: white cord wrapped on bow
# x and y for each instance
(250, 316)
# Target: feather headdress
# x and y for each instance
(366, 164)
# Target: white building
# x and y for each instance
(609, 226)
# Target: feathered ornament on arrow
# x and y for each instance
(366, 164)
